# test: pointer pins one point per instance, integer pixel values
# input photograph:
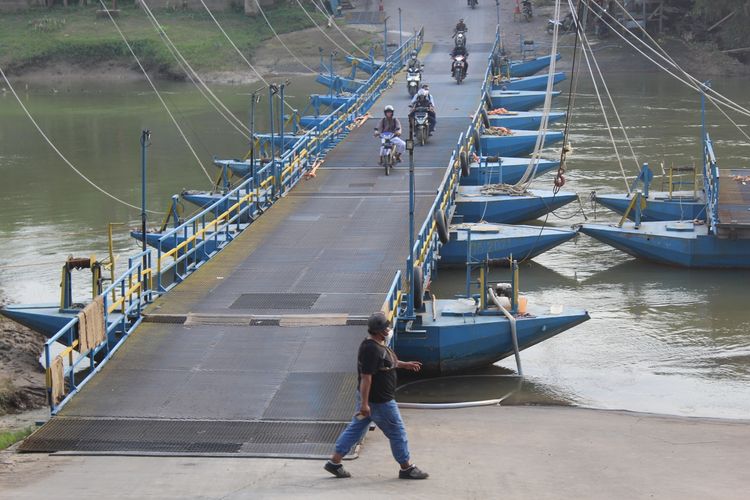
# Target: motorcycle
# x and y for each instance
(473, 4)
(413, 80)
(460, 39)
(387, 151)
(527, 10)
(422, 124)
(566, 25)
(459, 68)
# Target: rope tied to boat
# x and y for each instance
(497, 131)
(503, 189)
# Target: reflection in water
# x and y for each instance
(506, 388)
(660, 339)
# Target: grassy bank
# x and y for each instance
(10, 438)
(74, 35)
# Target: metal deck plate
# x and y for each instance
(275, 301)
(185, 437)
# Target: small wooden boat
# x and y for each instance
(518, 100)
(340, 83)
(503, 170)
(536, 82)
(528, 67)
(367, 65)
(474, 204)
(523, 120)
(517, 143)
(499, 242)
(676, 243)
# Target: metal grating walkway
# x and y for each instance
(186, 437)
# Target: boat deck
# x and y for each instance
(734, 198)
(259, 358)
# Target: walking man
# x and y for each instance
(376, 400)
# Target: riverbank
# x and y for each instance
(484, 452)
(21, 377)
(700, 59)
(73, 44)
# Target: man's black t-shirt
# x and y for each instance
(380, 362)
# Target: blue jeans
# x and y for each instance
(388, 419)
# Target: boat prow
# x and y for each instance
(452, 337)
(500, 242)
(503, 169)
(516, 143)
(474, 205)
(684, 244)
(660, 206)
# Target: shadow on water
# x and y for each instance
(491, 383)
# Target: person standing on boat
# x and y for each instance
(376, 401)
(389, 123)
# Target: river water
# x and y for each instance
(661, 339)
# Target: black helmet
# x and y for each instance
(378, 323)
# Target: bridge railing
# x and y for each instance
(711, 181)
(183, 249)
(426, 242)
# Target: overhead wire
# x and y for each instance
(202, 87)
(693, 83)
(333, 22)
(268, 22)
(237, 49)
(156, 91)
(342, 49)
(675, 65)
(60, 153)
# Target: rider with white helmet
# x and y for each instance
(424, 99)
(389, 123)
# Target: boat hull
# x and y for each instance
(339, 83)
(658, 206)
(518, 242)
(693, 248)
(536, 82)
(451, 344)
(508, 170)
(519, 68)
(507, 209)
(521, 142)
(524, 120)
(47, 319)
(518, 100)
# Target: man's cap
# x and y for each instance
(378, 322)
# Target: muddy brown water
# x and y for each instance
(660, 339)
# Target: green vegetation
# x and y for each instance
(77, 35)
(10, 438)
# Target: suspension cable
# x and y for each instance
(321, 29)
(529, 174)
(156, 91)
(60, 154)
(237, 49)
(333, 22)
(584, 45)
(698, 87)
(674, 64)
(204, 89)
(268, 22)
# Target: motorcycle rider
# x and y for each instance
(460, 27)
(413, 64)
(389, 123)
(459, 51)
(423, 99)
